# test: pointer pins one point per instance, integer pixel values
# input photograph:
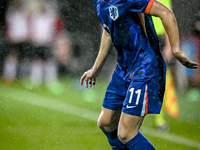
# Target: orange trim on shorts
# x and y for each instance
(148, 8)
(146, 108)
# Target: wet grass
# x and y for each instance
(24, 126)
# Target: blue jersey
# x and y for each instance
(134, 37)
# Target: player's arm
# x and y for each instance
(169, 22)
(90, 75)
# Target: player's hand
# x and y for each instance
(191, 64)
(183, 58)
(89, 77)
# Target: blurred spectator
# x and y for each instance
(17, 34)
(46, 26)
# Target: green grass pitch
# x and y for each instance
(39, 120)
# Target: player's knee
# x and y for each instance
(106, 125)
(103, 124)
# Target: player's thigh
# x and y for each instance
(129, 126)
(109, 119)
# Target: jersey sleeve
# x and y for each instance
(140, 5)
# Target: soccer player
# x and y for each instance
(138, 82)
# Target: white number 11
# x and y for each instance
(138, 92)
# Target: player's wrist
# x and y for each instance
(176, 51)
(96, 70)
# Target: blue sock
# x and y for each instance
(139, 142)
(114, 141)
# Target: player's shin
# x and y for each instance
(114, 141)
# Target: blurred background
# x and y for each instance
(46, 45)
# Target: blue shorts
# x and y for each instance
(135, 97)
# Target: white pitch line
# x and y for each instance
(38, 100)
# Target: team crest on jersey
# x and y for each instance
(113, 11)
